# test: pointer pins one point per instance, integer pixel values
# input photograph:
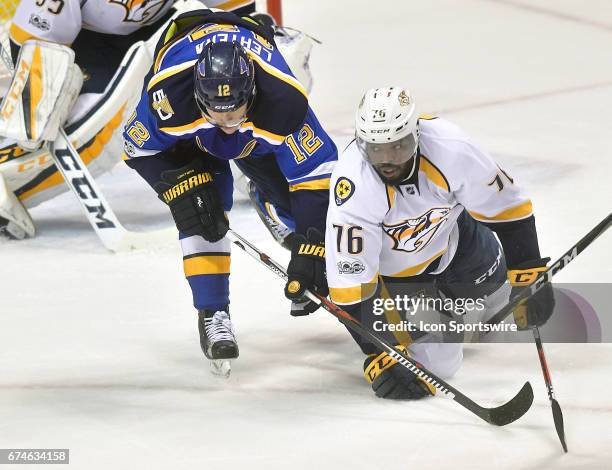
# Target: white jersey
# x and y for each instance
(398, 231)
(61, 20)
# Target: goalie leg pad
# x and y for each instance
(15, 221)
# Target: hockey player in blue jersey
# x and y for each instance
(219, 90)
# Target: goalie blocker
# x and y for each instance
(45, 85)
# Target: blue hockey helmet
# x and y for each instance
(224, 77)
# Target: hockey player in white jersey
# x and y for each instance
(415, 200)
(107, 81)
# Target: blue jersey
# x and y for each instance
(281, 133)
(279, 122)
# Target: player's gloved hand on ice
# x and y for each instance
(306, 270)
(391, 380)
(538, 308)
(194, 202)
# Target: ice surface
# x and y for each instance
(99, 352)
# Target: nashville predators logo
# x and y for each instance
(412, 235)
(343, 190)
(403, 98)
(141, 11)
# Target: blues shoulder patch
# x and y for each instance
(343, 190)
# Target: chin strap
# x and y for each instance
(414, 160)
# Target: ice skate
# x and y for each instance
(217, 340)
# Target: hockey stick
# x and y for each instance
(105, 223)
(556, 408)
(528, 291)
(557, 266)
(499, 416)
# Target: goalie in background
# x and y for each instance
(111, 44)
(414, 201)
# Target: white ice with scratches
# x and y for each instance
(99, 352)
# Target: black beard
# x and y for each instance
(390, 181)
(403, 174)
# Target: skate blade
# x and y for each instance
(221, 368)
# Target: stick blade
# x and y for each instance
(558, 419)
(512, 410)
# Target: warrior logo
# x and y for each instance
(141, 11)
(412, 235)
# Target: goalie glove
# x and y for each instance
(194, 201)
(392, 381)
(536, 310)
(306, 270)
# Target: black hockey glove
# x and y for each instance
(392, 381)
(306, 270)
(194, 201)
(536, 310)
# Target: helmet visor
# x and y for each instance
(389, 153)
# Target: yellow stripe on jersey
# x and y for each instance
(233, 4)
(278, 74)
(218, 264)
(433, 173)
(352, 295)
(19, 35)
(390, 196)
(311, 185)
(419, 268)
(171, 31)
(158, 77)
(393, 317)
(514, 213)
(185, 128)
(267, 135)
(36, 88)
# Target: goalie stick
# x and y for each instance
(499, 416)
(113, 235)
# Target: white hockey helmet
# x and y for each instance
(386, 126)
